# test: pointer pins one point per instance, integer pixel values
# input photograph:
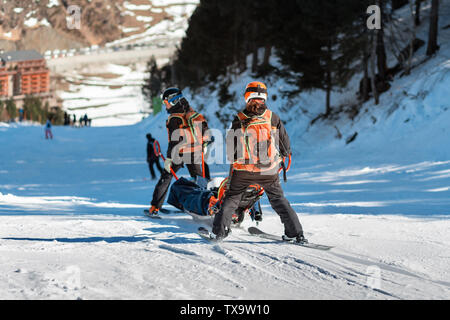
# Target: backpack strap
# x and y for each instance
(190, 121)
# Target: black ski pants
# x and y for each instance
(240, 180)
(152, 170)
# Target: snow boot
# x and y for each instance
(153, 211)
(298, 239)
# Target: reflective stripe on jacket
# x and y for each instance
(191, 126)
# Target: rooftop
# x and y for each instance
(23, 55)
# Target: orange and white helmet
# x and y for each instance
(255, 90)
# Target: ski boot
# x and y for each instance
(298, 239)
(153, 212)
(220, 238)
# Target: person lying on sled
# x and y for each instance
(187, 195)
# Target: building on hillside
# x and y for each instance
(25, 73)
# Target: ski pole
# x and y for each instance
(283, 166)
(157, 149)
(203, 161)
(289, 163)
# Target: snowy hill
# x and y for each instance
(413, 113)
(72, 224)
(72, 227)
(115, 40)
(110, 94)
(46, 24)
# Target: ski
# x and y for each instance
(207, 220)
(169, 211)
(202, 219)
(259, 233)
(198, 218)
(162, 210)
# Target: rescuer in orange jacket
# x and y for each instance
(187, 134)
(256, 144)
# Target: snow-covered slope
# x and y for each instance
(72, 226)
(110, 94)
(49, 25)
(413, 111)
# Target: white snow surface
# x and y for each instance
(72, 223)
(72, 227)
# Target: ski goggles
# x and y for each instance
(255, 93)
(173, 99)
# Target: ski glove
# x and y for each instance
(205, 151)
(206, 148)
(167, 164)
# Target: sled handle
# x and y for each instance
(157, 149)
(284, 168)
(289, 163)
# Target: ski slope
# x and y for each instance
(71, 208)
(72, 227)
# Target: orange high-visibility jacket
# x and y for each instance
(255, 149)
(192, 129)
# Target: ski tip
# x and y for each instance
(254, 230)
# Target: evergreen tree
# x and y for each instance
(1, 108)
(153, 85)
(396, 4)
(417, 12)
(11, 109)
(320, 43)
(35, 111)
(220, 36)
(433, 33)
(381, 49)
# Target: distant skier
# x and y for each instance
(152, 158)
(48, 129)
(66, 119)
(187, 131)
(252, 149)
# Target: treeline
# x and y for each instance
(33, 110)
(320, 43)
